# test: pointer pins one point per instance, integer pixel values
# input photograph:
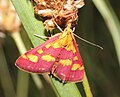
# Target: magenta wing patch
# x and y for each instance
(70, 66)
(39, 59)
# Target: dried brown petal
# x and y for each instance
(79, 3)
(49, 24)
(45, 12)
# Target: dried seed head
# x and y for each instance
(62, 12)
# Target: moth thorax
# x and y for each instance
(65, 40)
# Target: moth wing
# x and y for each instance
(39, 59)
(70, 66)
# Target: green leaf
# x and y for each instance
(66, 90)
(30, 23)
(32, 26)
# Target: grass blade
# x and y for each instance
(112, 22)
(23, 78)
(5, 77)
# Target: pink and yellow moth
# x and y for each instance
(59, 56)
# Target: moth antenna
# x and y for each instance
(58, 26)
(40, 36)
(88, 41)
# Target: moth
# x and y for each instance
(58, 56)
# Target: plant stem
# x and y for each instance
(23, 78)
(87, 87)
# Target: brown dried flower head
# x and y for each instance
(61, 12)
